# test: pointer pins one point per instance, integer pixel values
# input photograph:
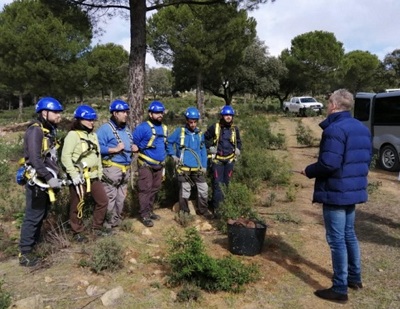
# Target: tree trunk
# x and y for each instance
(200, 95)
(137, 60)
(20, 106)
(111, 96)
(227, 92)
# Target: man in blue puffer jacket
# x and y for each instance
(341, 182)
(187, 147)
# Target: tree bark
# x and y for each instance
(20, 105)
(200, 95)
(137, 60)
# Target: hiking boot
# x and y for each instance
(147, 222)
(355, 285)
(80, 238)
(28, 259)
(153, 216)
(102, 232)
(207, 216)
(331, 295)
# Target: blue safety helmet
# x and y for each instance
(118, 106)
(49, 104)
(192, 113)
(156, 107)
(227, 110)
(85, 112)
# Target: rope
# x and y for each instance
(79, 207)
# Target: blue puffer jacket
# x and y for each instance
(344, 156)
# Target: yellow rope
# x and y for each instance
(79, 207)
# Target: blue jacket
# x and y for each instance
(142, 135)
(194, 147)
(107, 139)
(345, 153)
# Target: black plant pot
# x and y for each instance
(244, 240)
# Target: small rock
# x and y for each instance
(133, 261)
(147, 232)
(34, 302)
(173, 295)
(93, 290)
(206, 227)
(110, 297)
(48, 279)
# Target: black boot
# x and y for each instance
(331, 295)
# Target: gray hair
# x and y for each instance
(343, 99)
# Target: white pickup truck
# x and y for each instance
(301, 104)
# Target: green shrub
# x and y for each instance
(5, 297)
(190, 264)
(188, 293)
(257, 133)
(304, 135)
(107, 255)
(256, 165)
(238, 203)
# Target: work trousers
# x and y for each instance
(100, 208)
(149, 183)
(37, 207)
(116, 192)
(222, 174)
(185, 189)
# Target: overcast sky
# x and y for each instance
(368, 25)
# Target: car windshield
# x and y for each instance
(308, 100)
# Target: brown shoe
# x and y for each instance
(331, 295)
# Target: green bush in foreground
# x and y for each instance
(107, 255)
(190, 264)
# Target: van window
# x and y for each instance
(387, 111)
(361, 109)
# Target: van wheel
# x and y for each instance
(389, 159)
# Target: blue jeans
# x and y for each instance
(342, 240)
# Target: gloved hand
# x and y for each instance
(212, 150)
(204, 170)
(176, 159)
(77, 181)
(237, 152)
(54, 183)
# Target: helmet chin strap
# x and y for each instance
(45, 120)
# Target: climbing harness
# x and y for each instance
(84, 171)
(142, 158)
(230, 158)
(180, 167)
(108, 163)
(27, 174)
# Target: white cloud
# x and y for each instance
(367, 25)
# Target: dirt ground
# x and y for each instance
(294, 262)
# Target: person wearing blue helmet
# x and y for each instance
(149, 140)
(116, 146)
(81, 159)
(40, 154)
(186, 147)
(224, 145)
